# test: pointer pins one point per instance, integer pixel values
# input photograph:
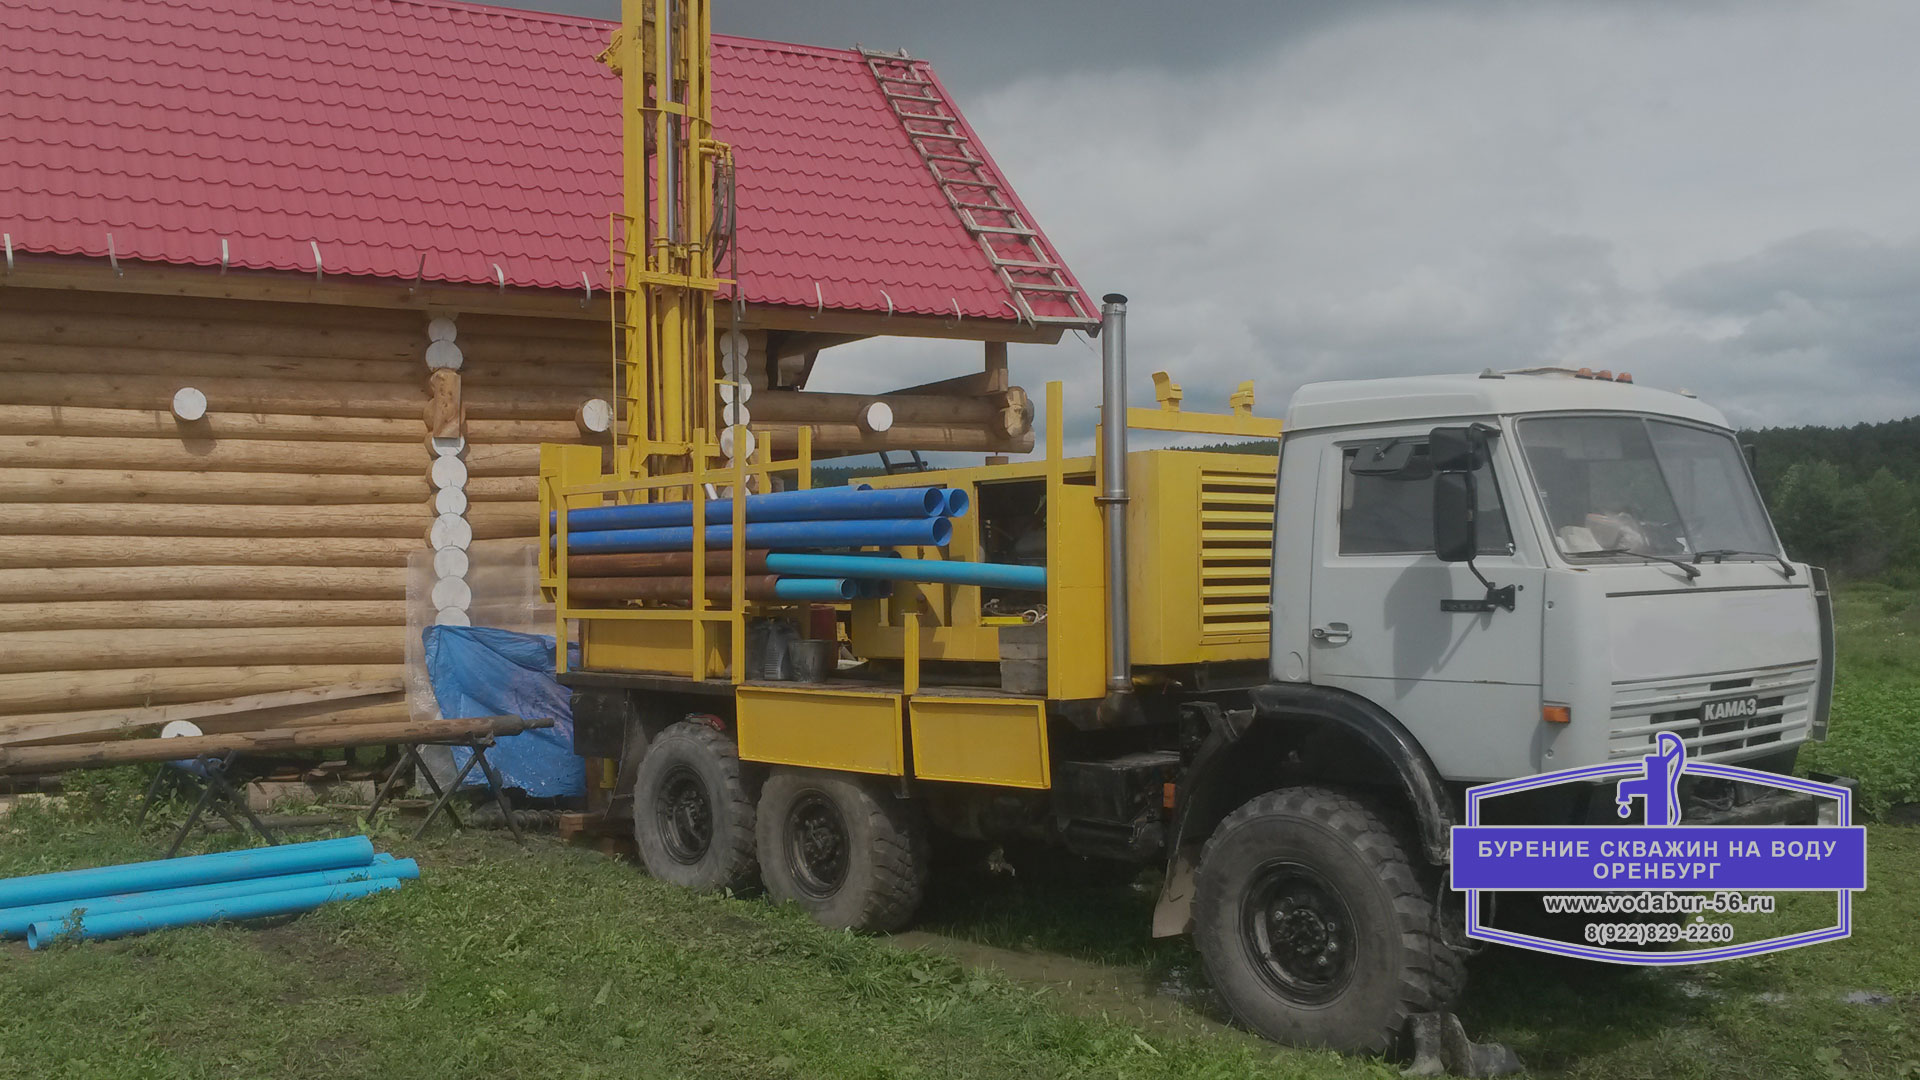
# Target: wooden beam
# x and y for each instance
(864, 324)
(24, 729)
(279, 740)
(196, 614)
(68, 691)
(216, 488)
(77, 650)
(205, 583)
(407, 519)
(47, 552)
(85, 421)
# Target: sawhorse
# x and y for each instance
(444, 804)
(216, 794)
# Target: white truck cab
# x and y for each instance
(1649, 592)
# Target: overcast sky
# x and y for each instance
(1723, 196)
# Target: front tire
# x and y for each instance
(692, 812)
(1314, 926)
(846, 850)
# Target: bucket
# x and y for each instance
(814, 661)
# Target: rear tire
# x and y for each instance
(692, 811)
(845, 849)
(1315, 927)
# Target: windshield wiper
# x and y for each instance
(1720, 555)
(1692, 570)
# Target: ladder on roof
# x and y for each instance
(1012, 246)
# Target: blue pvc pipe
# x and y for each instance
(933, 571)
(15, 921)
(192, 870)
(885, 532)
(957, 503)
(819, 504)
(115, 924)
(814, 590)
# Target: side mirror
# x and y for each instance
(1455, 533)
(1457, 449)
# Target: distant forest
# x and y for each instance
(1846, 498)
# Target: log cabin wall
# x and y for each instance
(149, 560)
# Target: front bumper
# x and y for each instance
(1761, 804)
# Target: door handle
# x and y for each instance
(1337, 633)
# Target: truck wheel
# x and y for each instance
(844, 849)
(692, 813)
(1314, 926)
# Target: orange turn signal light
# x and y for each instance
(1623, 377)
(1557, 714)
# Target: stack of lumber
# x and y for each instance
(147, 560)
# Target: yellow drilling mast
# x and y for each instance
(665, 238)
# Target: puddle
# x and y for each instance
(1865, 997)
(1175, 1004)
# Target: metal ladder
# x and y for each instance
(971, 189)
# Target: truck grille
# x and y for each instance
(1642, 710)
(1236, 553)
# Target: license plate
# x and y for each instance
(1731, 709)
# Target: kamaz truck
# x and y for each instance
(1269, 674)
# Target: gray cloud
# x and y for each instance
(1713, 195)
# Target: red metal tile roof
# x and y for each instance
(484, 139)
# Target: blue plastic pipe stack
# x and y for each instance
(796, 525)
(116, 901)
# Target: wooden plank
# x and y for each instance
(23, 729)
(18, 552)
(255, 395)
(79, 650)
(195, 614)
(204, 583)
(514, 365)
(129, 485)
(322, 736)
(66, 691)
(161, 423)
(407, 520)
(216, 455)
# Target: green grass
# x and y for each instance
(1875, 737)
(555, 962)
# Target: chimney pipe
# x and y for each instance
(1113, 496)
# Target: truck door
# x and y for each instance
(1466, 685)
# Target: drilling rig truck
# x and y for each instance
(1272, 675)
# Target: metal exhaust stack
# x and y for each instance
(1113, 498)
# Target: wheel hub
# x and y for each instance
(684, 816)
(1299, 933)
(818, 848)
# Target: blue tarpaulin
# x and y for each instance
(481, 671)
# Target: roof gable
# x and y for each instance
(452, 142)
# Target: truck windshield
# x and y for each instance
(1638, 486)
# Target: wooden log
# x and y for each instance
(324, 714)
(212, 488)
(719, 588)
(815, 407)
(16, 730)
(587, 374)
(501, 520)
(67, 691)
(834, 440)
(204, 583)
(505, 459)
(214, 455)
(79, 650)
(58, 551)
(278, 740)
(232, 334)
(198, 614)
(534, 432)
(326, 398)
(657, 564)
(150, 424)
(232, 519)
